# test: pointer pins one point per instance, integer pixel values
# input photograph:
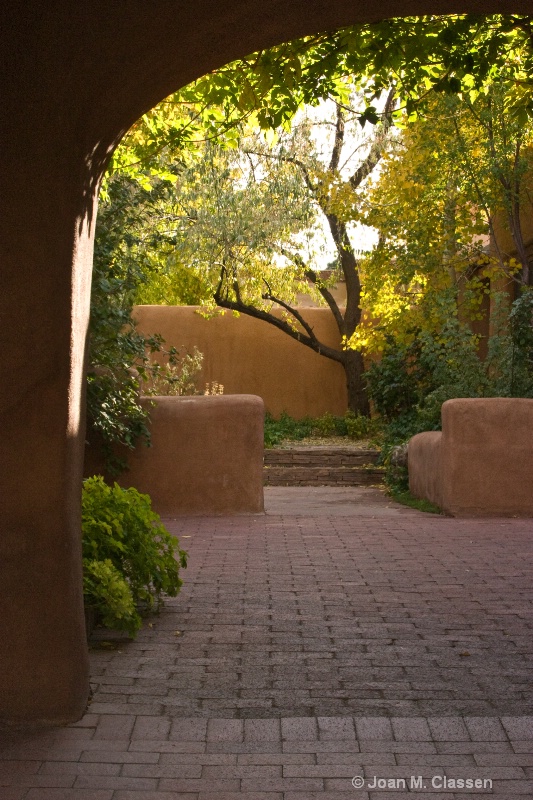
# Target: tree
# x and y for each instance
(502, 172)
(336, 197)
(465, 164)
(237, 214)
(225, 212)
(436, 203)
(457, 55)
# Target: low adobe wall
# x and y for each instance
(482, 462)
(424, 460)
(249, 356)
(206, 456)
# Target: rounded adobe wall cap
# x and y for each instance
(488, 401)
(424, 436)
(490, 408)
(241, 403)
(217, 399)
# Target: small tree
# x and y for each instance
(333, 189)
(445, 184)
(238, 218)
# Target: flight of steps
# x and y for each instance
(321, 466)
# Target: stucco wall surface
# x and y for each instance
(249, 356)
(206, 456)
(482, 462)
(424, 460)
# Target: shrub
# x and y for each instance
(412, 381)
(177, 377)
(356, 426)
(129, 557)
(286, 427)
(114, 413)
(107, 591)
(120, 357)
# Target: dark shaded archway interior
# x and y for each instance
(76, 76)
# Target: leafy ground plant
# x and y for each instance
(286, 428)
(129, 558)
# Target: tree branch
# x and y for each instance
(339, 141)
(288, 160)
(348, 262)
(378, 145)
(311, 275)
(309, 339)
(328, 297)
(296, 314)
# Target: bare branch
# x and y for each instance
(296, 314)
(311, 275)
(288, 160)
(308, 339)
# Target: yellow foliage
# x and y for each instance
(432, 205)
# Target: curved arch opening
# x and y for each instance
(78, 77)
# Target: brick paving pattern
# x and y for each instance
(304, 651)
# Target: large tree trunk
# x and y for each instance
(357, 395)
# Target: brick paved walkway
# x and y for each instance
(318, 643)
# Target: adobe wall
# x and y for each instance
(482, 462)
(206, 456)
(249, 356)
(75, 77)
(425, 467)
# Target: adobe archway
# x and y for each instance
(77, 76)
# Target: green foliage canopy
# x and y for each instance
(451, 185)
(455, 54)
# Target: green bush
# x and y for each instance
(129, 557)
(120, 357)
(114, 413)
(107, 591)
(286, 427)
(411, 382)
(360, 427)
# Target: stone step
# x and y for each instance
(322, 476)
(321, 456)
(321, 466)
